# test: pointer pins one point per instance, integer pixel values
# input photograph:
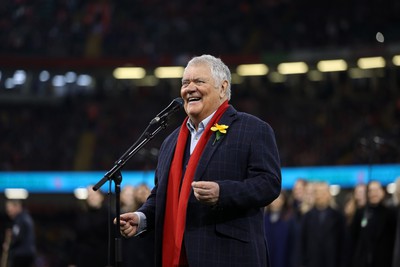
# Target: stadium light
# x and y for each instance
(129, 73)
(252, 70)
(16, 193)
(396, 60)
(371, 62)
(168, 72)
(292, 68)
(332, 65)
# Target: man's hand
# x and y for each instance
(206, 192)
(128, 224)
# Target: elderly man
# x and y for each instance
(215, 174)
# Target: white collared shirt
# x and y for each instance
(196, 134)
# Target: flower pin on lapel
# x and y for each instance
(219, 130)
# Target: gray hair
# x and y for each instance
(219, 70)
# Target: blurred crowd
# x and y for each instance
(306, 226)
(81, 236)
(309, 227)
(332, 122)
(155, 29)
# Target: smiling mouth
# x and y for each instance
(193, 99)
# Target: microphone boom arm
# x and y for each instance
(128, 154)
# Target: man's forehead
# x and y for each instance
(196, 72)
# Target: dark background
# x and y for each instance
(328, 122)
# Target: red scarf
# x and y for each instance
(177, 200)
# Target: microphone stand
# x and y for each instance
(114, 174)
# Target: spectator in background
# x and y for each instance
(90, 247)
(322, 231)
(302, 198)
(142, 192)
(138, 251)
(349, 207)
(309, 198)
(373, 230)
(127, 198)
(298, 194)
(21, 246)
(278, 229)
(360, 195)
(354, 201)
(298, 198)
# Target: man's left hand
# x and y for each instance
(206, 192)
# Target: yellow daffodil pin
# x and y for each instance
(219, 130)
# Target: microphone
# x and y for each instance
(173, 107)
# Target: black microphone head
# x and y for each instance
(173, 107)
(179, 100)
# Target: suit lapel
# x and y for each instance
(227, 118)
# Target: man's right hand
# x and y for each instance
(129, 223)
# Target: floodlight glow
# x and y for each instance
(168, 72)
(19, 77)
(129, 73)
(16, 193)
(44, 76)
(9, 83)
(391, 188)
(252, 70)
(81, 193)
(371, 62)
(292, 68)
(58, 81)
(396, 60)
(70, 77)
(332, 65)
(334, 189)
(84, 80)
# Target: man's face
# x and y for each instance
(13, 209)
(322, 195)
(375, 193)
(201, 95)
(298, 190)
(95, 198)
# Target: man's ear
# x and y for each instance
(223, 89)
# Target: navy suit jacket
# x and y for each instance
(245, 163)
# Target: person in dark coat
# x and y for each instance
(373, 230)
(90, 247)
(278, 221)
(300, 198)
(323, 232)
(22, 241)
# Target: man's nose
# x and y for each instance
(191, 87)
